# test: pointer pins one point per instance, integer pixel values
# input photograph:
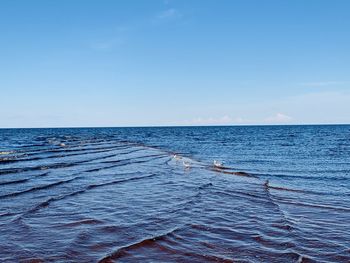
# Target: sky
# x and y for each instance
(74, 63)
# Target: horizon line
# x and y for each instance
(179, 126)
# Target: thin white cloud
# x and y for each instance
(107, 44)
(122, 29)
(224, 120)
(240, 120)
(116, 37)
(325, 83)
(319, 107)
(210, 121)
(170, 13)
(278, 118)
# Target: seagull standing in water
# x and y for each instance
(177, 157)
(186, 164)
(218, 164)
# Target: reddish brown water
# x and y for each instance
(92, 196)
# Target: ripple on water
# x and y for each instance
(119, 195)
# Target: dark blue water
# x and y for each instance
(119, 195)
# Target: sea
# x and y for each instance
(175, 194)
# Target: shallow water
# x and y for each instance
(117, 194)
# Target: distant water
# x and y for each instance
(118, 195)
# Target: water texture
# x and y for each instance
(119, 195)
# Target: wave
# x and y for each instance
(319, 206)
(224, 171)
(36, 188)
(51, 166)
(306, 177)
(14, 182)
(89, 221)
(124, 162)
(82, 152)
(154, 241)
(81, 191)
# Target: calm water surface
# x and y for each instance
(118, 195)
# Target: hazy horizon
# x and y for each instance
(173, 63)
(180, 126)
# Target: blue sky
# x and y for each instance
(163, 62)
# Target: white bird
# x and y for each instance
(62, 145)
(218, 164)
(177, 157)
(186, 164)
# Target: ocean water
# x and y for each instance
(119, 195)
